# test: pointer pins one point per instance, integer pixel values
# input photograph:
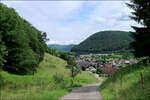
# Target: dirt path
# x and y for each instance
(90, 92)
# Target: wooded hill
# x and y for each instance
(105, 42)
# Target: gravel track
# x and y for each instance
(89, 92)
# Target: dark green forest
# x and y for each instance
(22, 46)
(105, 42)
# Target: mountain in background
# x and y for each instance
(105, 42)
(65, 48)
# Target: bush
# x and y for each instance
(58, 78)
(99, 70)
(93, 71)
(64, 55)
(52, 51)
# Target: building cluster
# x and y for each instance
(87, 63)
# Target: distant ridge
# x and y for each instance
(65, 48)
(105, 42)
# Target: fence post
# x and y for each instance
(142, 81)
(121, 80)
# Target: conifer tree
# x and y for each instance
(141, 36)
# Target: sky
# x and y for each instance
(71, 22)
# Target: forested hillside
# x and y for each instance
(22, 46)
(65, 48)
(105, 42)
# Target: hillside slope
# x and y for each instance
(65, 48)
(127, 84)
(105, 42)
(51, 81)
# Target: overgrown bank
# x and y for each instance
(130, 83)
(51, 81)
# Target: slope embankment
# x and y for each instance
(130, 83)
(51, 81)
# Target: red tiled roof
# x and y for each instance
(109, 69)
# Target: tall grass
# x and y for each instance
(127, 84)
(51, 82)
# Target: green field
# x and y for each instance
(128, 84)
(51, 81)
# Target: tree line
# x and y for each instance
(22, 46)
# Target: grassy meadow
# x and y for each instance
(128, 84)
(51, 81)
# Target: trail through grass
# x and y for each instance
(43, 85)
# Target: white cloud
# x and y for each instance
(61, 42)
(55, 10)
(74, 21)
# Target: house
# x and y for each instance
(99, 65)
(109, 69)
(82, 64)
(112, 61)
(133, 61)
(91, 68)
(127, 62)
(121, 61)
(87, 69)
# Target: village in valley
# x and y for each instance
(103, 64)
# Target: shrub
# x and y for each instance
(99, 70)
(58, 78)
(93, 71)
